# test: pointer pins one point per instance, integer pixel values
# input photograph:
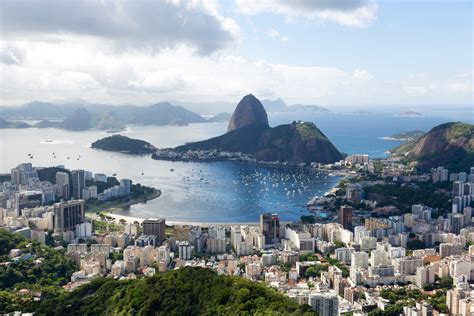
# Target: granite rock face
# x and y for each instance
(249, 112)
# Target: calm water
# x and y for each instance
(208, 192)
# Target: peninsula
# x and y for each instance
(250, 138)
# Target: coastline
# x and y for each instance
(131, 219)
(113, 206)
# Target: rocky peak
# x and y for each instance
(248, 112)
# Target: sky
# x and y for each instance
(327, 52)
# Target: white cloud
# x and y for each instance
(272, 33)
(92, 70)
(352, 13)
(362, 74)
(128, 24)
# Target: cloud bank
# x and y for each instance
(137, 23)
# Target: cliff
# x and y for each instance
(249, 112)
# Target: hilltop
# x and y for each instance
(249, 133)
(187, 291)
(450, 145)
(249, 112)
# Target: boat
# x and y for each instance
(171, 169)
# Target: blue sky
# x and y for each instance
(407, 36)
(326, 52)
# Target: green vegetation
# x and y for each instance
(187, 291)
(403, 297)
(342, 267)
(403, 197)
(54, 268)
(315, 271)
(43, 270)
(309, 130)
(124, 144)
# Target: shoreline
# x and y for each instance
(123, 205)
(239, 161)
(132, 219)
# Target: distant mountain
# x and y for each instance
(124, 144)
(37, 110)
(450, 145)
(164, 113)
(48, 124)
(108, 121)
(220, 118)
(9, 124)
(79, 120)
(409, 114)
(103, 116)
(249, 133)
(279, 105)
(249, 112)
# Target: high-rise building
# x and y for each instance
(456, 222)
(185, 250)
(68, 215)
(324, 303)
(458, 188)
(450, 249)
(425, 275)
(62, 185)
(270, 227)
(155, 227)
(126, 184)
(345, 217)
(235, 236)
(27, 199)
(360, 259)
(78, 183)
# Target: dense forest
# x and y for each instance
(40, 269)
(187, 291)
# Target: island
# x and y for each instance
(124, 144)
(409, 114)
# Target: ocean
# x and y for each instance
(218, 192)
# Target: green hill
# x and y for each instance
(450, 145)
(124, 144)
(187, 291)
